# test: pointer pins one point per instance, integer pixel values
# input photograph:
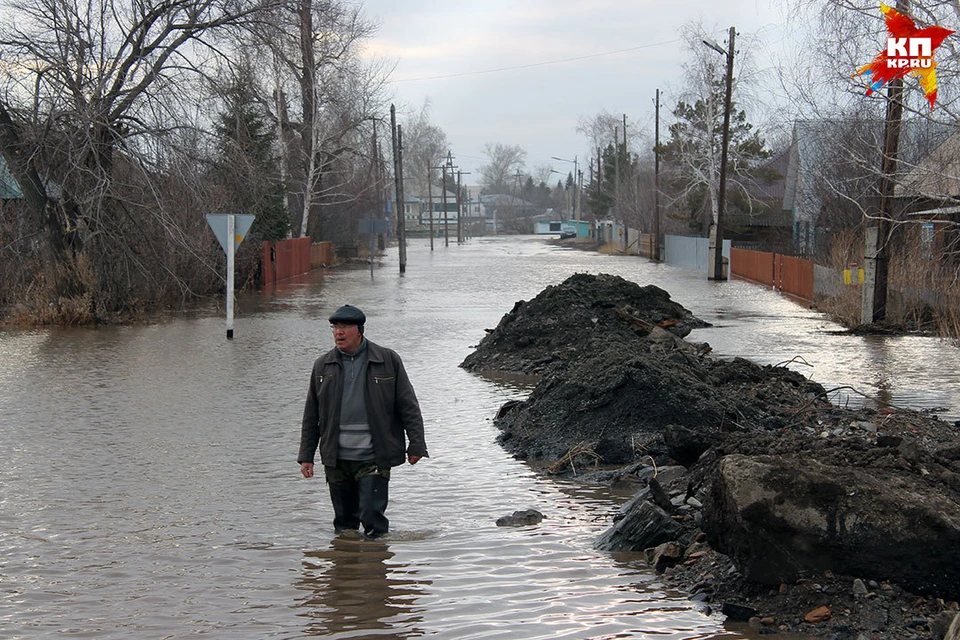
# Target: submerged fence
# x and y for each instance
(284, 259)
(804, 280)
(690, 252)
(794, 276)
(322, 254)
(787, 274)
(288, 258)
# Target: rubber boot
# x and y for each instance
(373, 502)
(346, 505)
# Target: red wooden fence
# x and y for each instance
(794, 276)
(284, 259)
(790, 275)
(321, 254)
(752, 265)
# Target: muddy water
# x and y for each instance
(149, 489)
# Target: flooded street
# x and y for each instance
(149, 485)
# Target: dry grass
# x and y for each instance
(40, 303)
(845, 247)
(582, 449)
(611, 248)
(924, 293)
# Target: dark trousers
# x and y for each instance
(358, 492)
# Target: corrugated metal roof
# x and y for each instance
(774, 188)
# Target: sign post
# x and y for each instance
(372, 226)
(230, 229)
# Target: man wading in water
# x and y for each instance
(359, 406)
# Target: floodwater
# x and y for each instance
(149, 485)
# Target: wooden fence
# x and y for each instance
(321, 254)
(284, 259)
(793, 276)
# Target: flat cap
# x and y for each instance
(348, 314)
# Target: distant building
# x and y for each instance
(506, 213)
(554, 227)
(758, 220)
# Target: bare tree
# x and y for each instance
(315, 46)
(88, 99)
(505, 162)
(424, 147)
(600, 130)
(844, 128)
(693, 150)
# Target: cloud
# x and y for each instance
(525, 72)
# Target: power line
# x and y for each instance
(539, 64)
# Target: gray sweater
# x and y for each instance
(355, 441)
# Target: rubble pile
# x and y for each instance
(750, 489)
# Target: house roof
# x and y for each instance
(504, 200)
(820, 143)
(937, 175)
(9, 187)
(774, 188)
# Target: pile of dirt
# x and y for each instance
(776, 502)
(659, 397)
(563, 321)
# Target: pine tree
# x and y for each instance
(693, 151)
(247, 164)
(601, 192)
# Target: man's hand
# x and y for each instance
(306, 468)
(412, 459)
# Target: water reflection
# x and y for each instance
(354, 587)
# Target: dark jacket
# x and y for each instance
(392, 409)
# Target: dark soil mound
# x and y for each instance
(562, 321)
(619, 381)
(655, 397)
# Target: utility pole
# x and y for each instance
(443, 199)
(402, 210)
(383, 194)
(593, 229)
(877, 250)
(626, 227)
(600, 191)
(715, 269)
(577, 184)
(616, 180)
(446, 228)
(398, 184)
(656, 183)
(460, 175)
(430, 199)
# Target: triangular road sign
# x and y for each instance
(241, 224)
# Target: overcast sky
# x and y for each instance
(525, 72)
